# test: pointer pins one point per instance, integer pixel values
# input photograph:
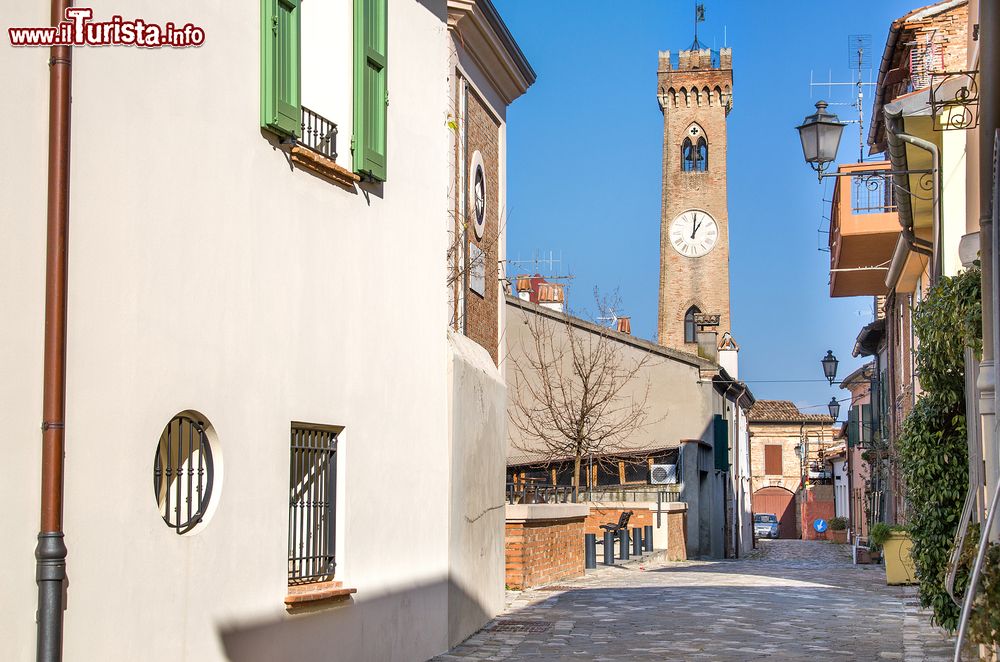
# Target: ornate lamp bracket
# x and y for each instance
(958, 109)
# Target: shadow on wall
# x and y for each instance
(401, 626)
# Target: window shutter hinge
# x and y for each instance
(274, 25)
(353, 138)
(387, 97)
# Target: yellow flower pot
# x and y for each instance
(898, 562)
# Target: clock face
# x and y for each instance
(694, 233)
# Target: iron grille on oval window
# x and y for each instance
(183, 473)
(311, 503)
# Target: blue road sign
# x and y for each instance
(819, 524)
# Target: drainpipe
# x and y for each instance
(896, 142)
(50, 553)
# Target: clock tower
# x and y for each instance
(695, 94)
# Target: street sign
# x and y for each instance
(819, 524)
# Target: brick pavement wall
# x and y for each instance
(543, 551)
(641, 517)
(817, 502)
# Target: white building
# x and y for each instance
(253, 308)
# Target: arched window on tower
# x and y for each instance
(690, 330)
(694, 156)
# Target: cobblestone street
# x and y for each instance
(793, 600)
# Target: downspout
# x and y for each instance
(50, 553)
(896, 142)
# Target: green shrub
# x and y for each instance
(933, 452)
(838, 523)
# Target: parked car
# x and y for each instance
(765, 525)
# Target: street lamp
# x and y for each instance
(834, 407)
(820, 135)
(830, 366)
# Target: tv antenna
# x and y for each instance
(541, 265)
(859, 61)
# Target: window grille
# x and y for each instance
(311, 503)
(183, 473)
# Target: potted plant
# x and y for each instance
(896, 546)
(838, 530)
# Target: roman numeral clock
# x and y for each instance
(694, 233)
(694, 91)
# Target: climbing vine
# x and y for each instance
(932, 446)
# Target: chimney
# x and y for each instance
(551, 296)
(524, 287)
(708, 345)
(729, 352)
(625, 325)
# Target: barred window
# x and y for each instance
(183, 473)
(312, 503)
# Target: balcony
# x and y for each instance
(316, 150)
(863, 230)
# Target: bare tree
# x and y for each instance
(575, 393)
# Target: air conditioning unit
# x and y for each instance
(663, 474)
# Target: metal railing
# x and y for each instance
(611, 493)
(535, 493)
(872, 194)
(319, 134)
(528, 492)
(311, 500)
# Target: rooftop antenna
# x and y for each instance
(541, 264)
(859, 60)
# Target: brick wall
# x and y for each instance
(677, 539)
(541, 552)
(788, 436)
(689, 95)
(483, 134)
(816, 502)
(641, 517)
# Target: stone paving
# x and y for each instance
(792, 600)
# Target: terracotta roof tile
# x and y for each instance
(783, 411)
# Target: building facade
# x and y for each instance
(258, 334)
(786, 448)
(694, 415)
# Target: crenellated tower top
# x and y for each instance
(697, 77)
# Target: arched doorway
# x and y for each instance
(780, 502)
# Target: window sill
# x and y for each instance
(304, 594)
(315, 162)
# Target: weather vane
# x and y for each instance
(699, 17)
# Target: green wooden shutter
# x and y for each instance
(866, 423)
(721, 443)
(852, 427)
(281, 70)
(371, 94)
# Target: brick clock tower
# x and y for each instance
(695, 95)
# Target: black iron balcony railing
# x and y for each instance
(535, 493)
(319, 134)
(872, 195)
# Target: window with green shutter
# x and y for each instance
(721, 443)
(371, 94)
(281, 70)
(852, 427)
(867, 424)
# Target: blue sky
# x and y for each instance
(584, 150)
